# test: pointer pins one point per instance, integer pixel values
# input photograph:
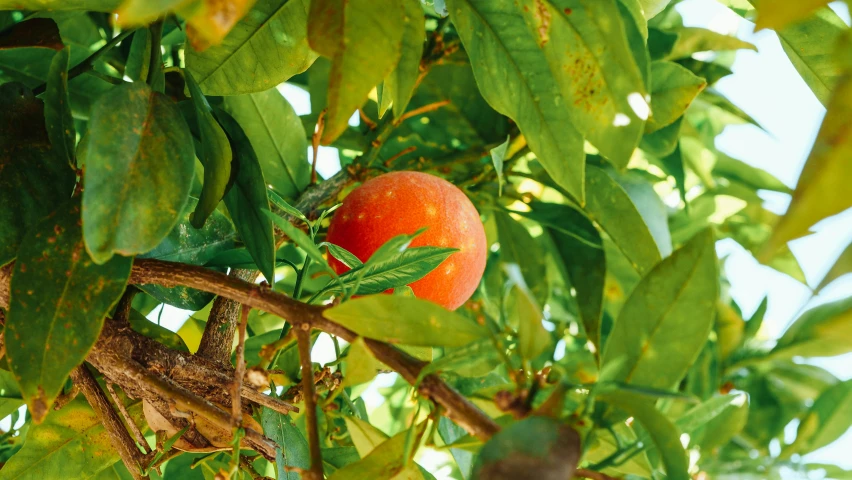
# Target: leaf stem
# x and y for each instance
(155, 67)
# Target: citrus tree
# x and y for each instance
(563, 196)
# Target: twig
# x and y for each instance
(170, 274)
(66, 398)
(239, 371)
(315, 142)
(125, 304)
(218, 336)
(245, 462)
(127, 449)
(275, 404)
(303, 337)
(185, 400)
(86, 64)
(389, 161)
(583, 473)
(128, 420)
(364, 118)
(431, 107)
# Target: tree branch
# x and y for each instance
(128, 420)
(169, 274)
(218, 336)
(239, 371)
(303, 337)
(127, 449)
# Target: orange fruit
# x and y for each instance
(401, 203)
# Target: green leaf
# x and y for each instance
(34, 179)
(666, 320)
(580, 249)
(649, 205)
(161, 334)
(536, 447)
(401, 269)
(721, 424)
(663, 142)
(71, 443)
(186, 244)
(823, 331)
(50, 333)
(363, 40)
(303, 241)
(673, 164)
(215, 155)
(533, 339)
(336, 458)
(664, 434)
(473, 360)
(498, 155)
(693, 40)
(780, 13)
(405, 320)
(291, 447)
(842, 266)
(267, 47)
(605, 444)
(399, 85)
(810, 45)
(247, 201)
(710, 71)
(277, 136)
(498, 39)
(386, 460)
(10, 395)
(57, 109)
(653, 7)
(673, 88)
(609, 206)
(360, 364)
(742, 172)
(345, 256)
(517, 247)
(364, 436)
(824, 174)
(714, 101)
(139, 169)
(139, 58)
(828, 419)
(289, 209)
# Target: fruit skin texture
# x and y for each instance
(401, 203)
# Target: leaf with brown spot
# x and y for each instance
(33, 179)
(59, 298)
(140, 164)
(71, 443)
(537, 447)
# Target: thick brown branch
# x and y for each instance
(127, 449)
(456, 407)
(189, 402)
(239, 371)
(303, 337)
(125, 304)
(218, 336)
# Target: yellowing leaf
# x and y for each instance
(779, 13)
(820, 191)
(363, 40)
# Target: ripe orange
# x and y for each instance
(401, 203)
